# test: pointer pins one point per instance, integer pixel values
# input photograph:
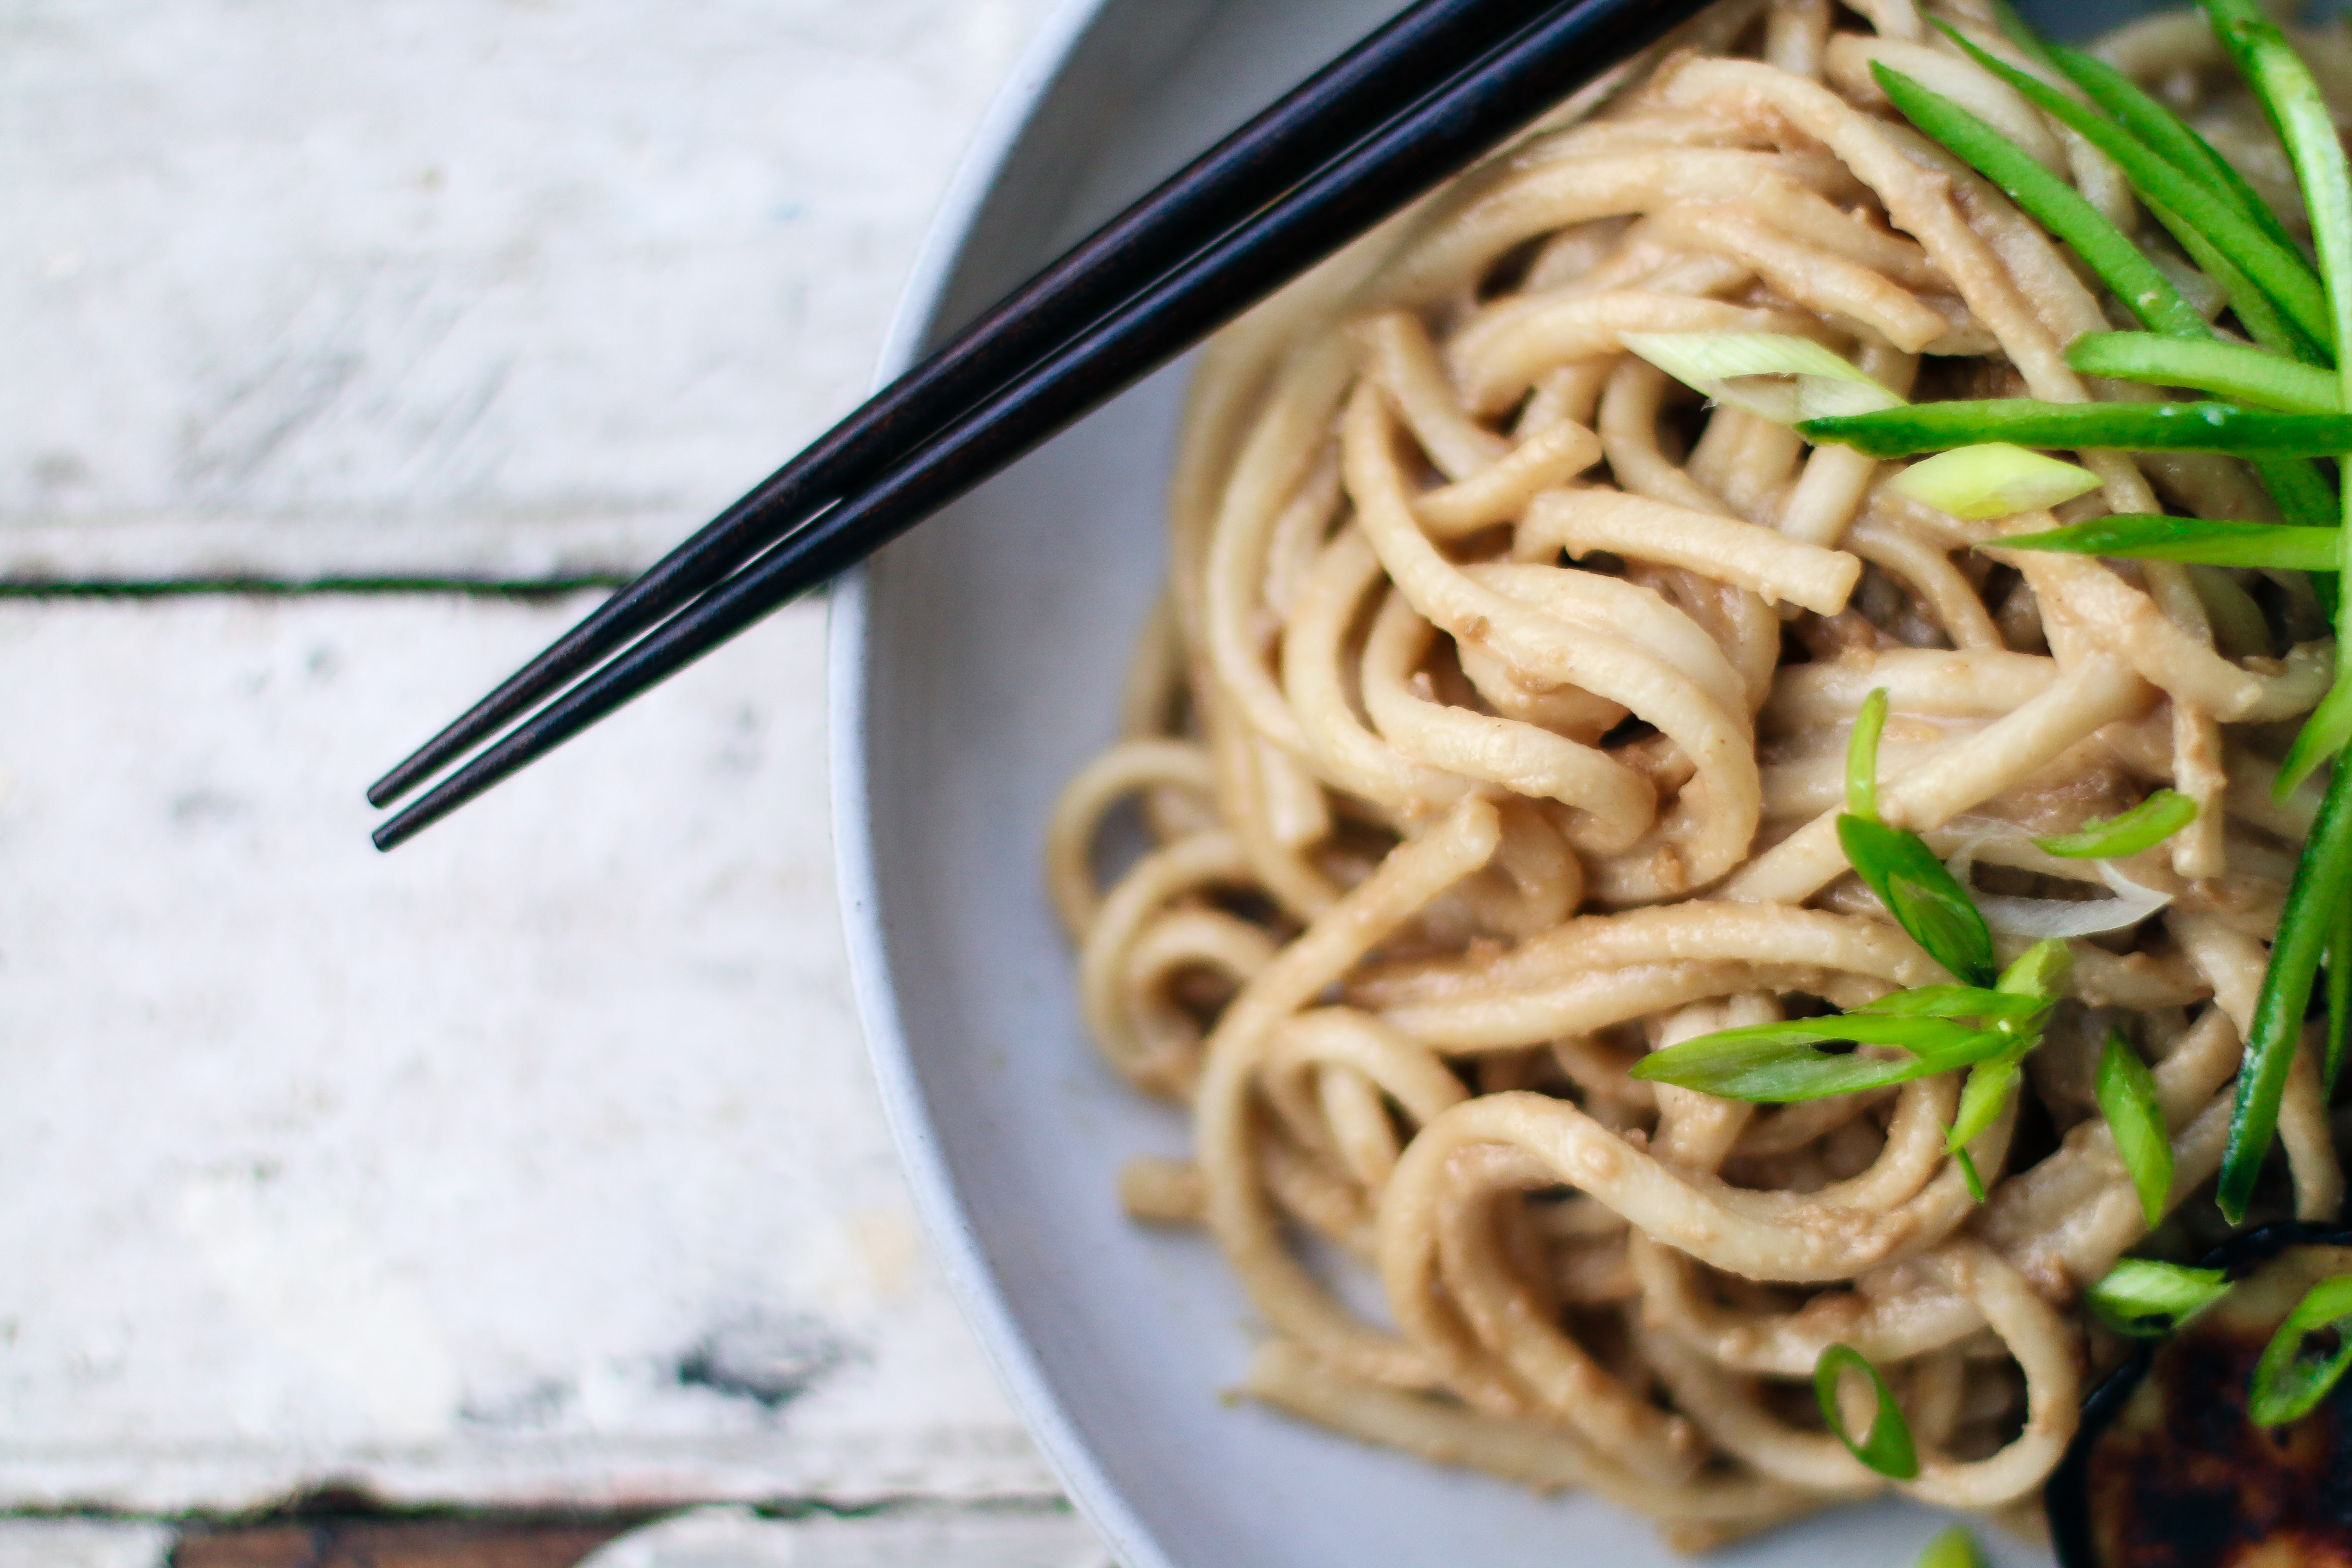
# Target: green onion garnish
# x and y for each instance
(1861, 756)
(1953, 1547)
(2126, 427)
(2339, 995)
(2146, 537)
(1989, 1087)
(2230, 370)
(1725, 365)
(2292, 1375)
(2127, 1092)
(2279, 270)
(2314, 902)
(1993, 479)
(2057, 205)
(2146, 1299)
(2302, 493)
(2038, 972)
(2173, 138)
(2034, 978)
(1887, 1448)
(2264, 321)
(1968, 1177)
(1779, 1064)
(1953, 1002)
(1921, 895)
(2133, 832)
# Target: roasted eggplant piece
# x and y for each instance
(2169, 1471)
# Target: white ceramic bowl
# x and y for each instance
(974, 665)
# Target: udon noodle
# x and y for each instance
(1491, 732)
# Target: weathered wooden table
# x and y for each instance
(532, 1171)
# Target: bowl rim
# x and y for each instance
(954, 1242)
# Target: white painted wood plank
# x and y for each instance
(537, 1161)
(314, 286)
(83, 1543)
(931, 1537)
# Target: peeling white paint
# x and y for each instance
(302, 1270)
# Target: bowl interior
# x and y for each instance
(976, 664)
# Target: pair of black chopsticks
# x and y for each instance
(1413, 103)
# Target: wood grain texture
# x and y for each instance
(518, 289)
(535, 1164)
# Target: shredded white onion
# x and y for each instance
(2039, 918)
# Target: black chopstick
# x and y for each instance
(1561, 47)
(1347, 100)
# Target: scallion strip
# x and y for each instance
(2330, 724)
(2172, 137)
(1952, 1001)
(2078, 426)
(1953, 1547)
(1886, 1449)
(2232, 369)
(1923, 897)
(1968, 1177)
(1861, 756)
(2127, 1094)
(2140, 536)
(2264, 321)
(2290, 96)
(2146, 1299)
(1993, 478)
(1781, 1064)
(2322, 881)
(2279, 270)
(2339, 997)
(2059, 206)
(1988, 1090)
(2040, 970)
(2288, 1381)
(2142, 829)
(2036, 976)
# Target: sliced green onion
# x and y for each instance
(1968, 1177)
(1988, 1088)
(2124, 426)
(2133, 832)
(1953, 1002)
(2339, 996)
(2034, 977)
(1736, 367)
(1886, 1447)
(1922, 896)
(2290, 96)
(2203, 541)
(2039, 972)
(1953, 1547)
(2306, 499)
(2242, 375)
(2173, 138)
(2264, 321)
(2291, 1377)
(2146, 1299)
(1778, 1064)
(2059, 208)
(1861, 756)
(2315, 901)
(2324, 733)
(2127, 1092)
(1993, 479)
(2278, 269)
